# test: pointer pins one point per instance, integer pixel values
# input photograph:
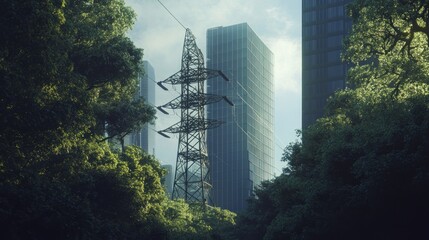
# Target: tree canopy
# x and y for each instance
(362, 170)
(389, 42)
(68, 81)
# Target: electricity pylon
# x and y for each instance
(192, 176)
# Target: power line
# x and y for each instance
(172, 14)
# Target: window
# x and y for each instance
(309, 17)
(335, 71)
(334, 12)
(334, 42)
(334, 56)
(336, 26)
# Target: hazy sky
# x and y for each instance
(276, 22)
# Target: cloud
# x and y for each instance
(287, 70)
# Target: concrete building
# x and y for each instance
(325, 24)
(241, 151)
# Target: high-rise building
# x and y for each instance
(325, 24)
(168, 179)
(145, 138)
(241, 151)
(147, 90)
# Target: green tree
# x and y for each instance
(389, 42)
(68, 77)
(68, 84)
(361, 171)
(194, 221)
(68, 71)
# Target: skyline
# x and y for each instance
(277, 23)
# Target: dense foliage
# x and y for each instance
(361, 171)
(68, 77)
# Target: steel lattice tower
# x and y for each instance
(192, 177)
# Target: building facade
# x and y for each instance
(145, 138)
(168, 179)
(324, 26)
(147, 90)
(241, 151)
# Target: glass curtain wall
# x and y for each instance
(241, 151)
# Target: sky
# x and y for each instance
(276, 22)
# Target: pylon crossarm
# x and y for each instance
(194, 100)
(191, 76)
(193, 155)
(192, 125)
(173, 79)
(211, 73)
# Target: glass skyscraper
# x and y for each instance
(145, 138)
(147, 90)
(241, 151)
(325, 24)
